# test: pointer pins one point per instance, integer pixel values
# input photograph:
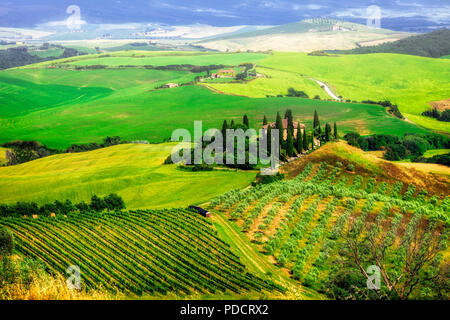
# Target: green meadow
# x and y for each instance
(135, 172)
(134, 112)
(409, 81)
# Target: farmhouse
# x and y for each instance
(201, 211)
(170, 85)
(229, 73)
(285, 125)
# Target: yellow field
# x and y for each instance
(135, 172)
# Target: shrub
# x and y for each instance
(6, 242)
(351, 167)
(339, 164)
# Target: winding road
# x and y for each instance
(327, 89)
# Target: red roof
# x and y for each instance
(285, 125)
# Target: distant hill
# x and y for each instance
(23, 55)
(304, 36)
(434, 45)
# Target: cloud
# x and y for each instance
(434, 14)
(308, 7)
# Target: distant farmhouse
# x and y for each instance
(170, 85)
(225, 73)
(285, 125)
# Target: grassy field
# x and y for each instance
(274, 83)
(437, 152)
(59, 107)
(135, 172)
(409, 81)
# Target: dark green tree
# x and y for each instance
(245, 121)
(279, 126)
(269, 139)
(305, 141)
(316, 125)
(327, 132)
(289, 144)
(265, 120)
(224, 134)
(299, 139)
(312, 141)
(290, 120)
(97, 204)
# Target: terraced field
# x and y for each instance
(137, 252)
(300, 224)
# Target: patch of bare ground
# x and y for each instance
(440, 105)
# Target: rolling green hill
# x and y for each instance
(49, 104)
(434, 45)
(409, 81)
(135, 172)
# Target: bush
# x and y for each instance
(6, 242)
(339, 164)
(351, 167)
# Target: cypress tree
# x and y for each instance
(299, 139)
(289, 144)
(290, 120)
(245, 121)
(269, 139)
(312, 141)
(335, 131)
(316, 124)
(224, 134)
(264, 120)
(279, 126)
(231, 124)
(305, 141)
(327, 132)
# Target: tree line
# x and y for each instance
(438, 115)
(110, 202)
(23, 151)
(411, 146)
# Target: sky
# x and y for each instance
(29, 13)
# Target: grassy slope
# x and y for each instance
(135, 172)
(411, 82)
(118, 102)
(276, 82)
